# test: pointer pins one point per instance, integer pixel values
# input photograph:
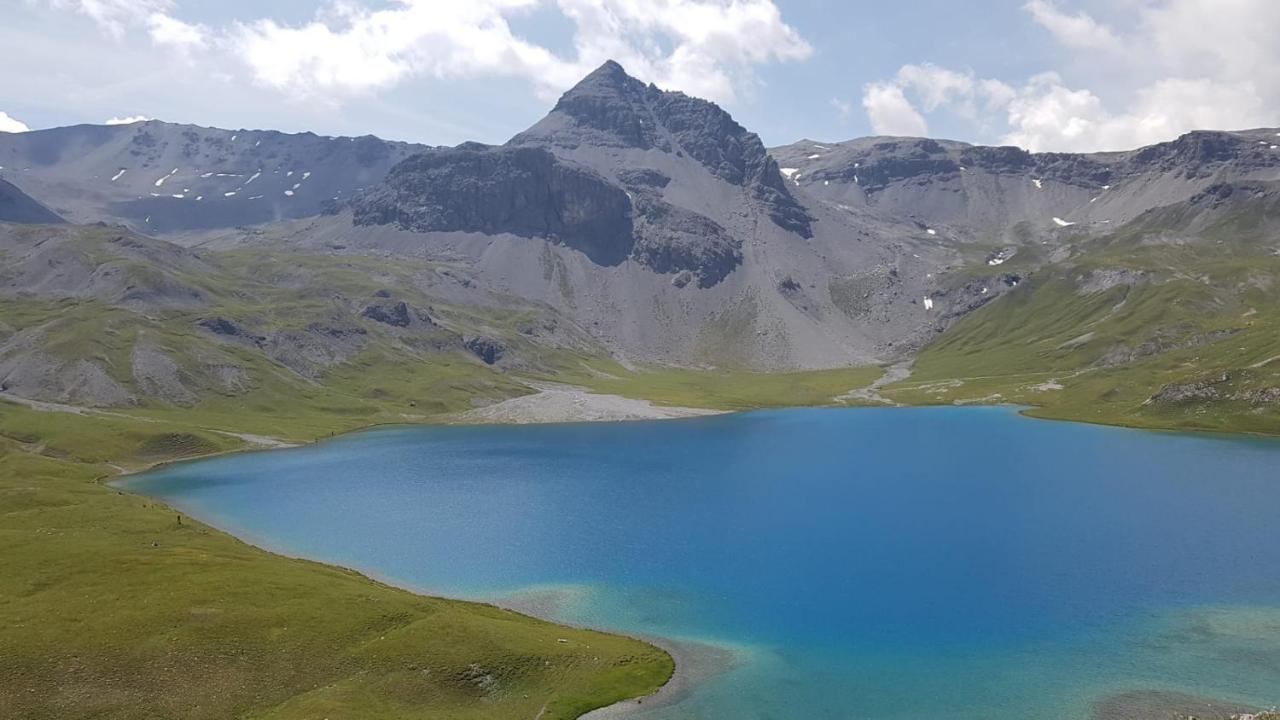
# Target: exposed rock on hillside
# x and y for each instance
(228, 329)
(672, 239)
(612, 109)
(523, 191)
(1198, 391)
(396, 314)
(489, 350)
(163, 177)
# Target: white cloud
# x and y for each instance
(1182, 65)
(1078, 31)
(890, 111)
(705, 47)
(129, 120)
(691, 45)
(167, 30)
(711, 44)
(11, 125)
(115, 16)
(1046, 115)
(936, 85)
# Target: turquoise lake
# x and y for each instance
(861, 563)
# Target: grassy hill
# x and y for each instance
(1173, 321)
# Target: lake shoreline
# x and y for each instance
(694, 662)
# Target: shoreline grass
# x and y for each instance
(112, 607)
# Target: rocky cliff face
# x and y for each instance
(159, 177)
(577, 178)
(524, 191)
(1007, 194)
(612, 109)
(674, 240)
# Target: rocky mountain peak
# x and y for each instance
(613, 110)
(610, 75)
(607, 108)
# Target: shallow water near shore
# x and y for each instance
(876, 563)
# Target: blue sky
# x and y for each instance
(1044, 74)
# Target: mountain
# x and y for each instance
(1006, 194)
(164, 178)
(645, 227)
(18, 207)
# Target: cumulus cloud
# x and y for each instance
(129, 120)
(890, 111)
(704, 47)
(10, 125)
(351, 47)
(115, 16)
(1193, 64)
(1047, 115)
(167, 30)
(1079, 31)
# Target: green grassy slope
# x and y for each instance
(725, 389)
(111, 608)
(1097, 337)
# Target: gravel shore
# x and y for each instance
(555, 403)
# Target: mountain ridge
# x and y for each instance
(636, 224)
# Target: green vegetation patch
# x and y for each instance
(724, 389)
(112, 606)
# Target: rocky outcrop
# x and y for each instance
(1163, 341)
(1197, 391)
(523, 191)
(609, 108)
(489, 350)
(672, 240)
(1260, 396)
(230, 330)
(643, 178)
(395, 314)
(311, 351)
(1197, 154)
(158, 376)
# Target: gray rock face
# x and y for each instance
(612, 109)
(1261, 396)
(228, 329)
(162, 177)
(1006, 194)
(489, 350)
(672, 240)
(396, 314)
(1200, 391)
(18, 207)
(523, 191)
(311, 351)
